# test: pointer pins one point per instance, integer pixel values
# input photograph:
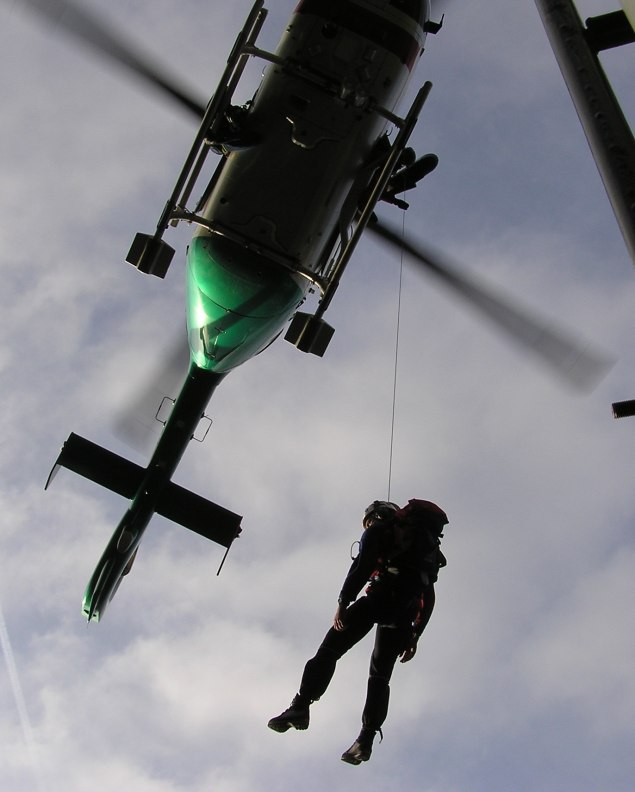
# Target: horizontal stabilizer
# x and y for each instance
(99, 465)
(125, 478)
(199, 515)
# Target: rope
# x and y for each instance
(394, 384)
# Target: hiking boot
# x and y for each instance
(296, 716)
(361, 749)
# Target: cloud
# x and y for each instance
(526, 660)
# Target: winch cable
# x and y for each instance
(394, 384)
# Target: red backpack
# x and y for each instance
(423, 514)
(415, 538)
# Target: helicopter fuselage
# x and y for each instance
(297, 172)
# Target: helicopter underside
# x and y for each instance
(238, 301)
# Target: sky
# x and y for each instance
(523, 679)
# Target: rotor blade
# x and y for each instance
(140, 421)
(571, 359)
(99, 35)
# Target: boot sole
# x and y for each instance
(284, 726)
(354, 760)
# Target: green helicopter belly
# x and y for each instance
(238, 301)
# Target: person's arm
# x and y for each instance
(429, 598)
(360, 571)
(363, 566)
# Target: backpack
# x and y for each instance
(423, 514)
(414, 539)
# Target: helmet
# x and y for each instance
(379, 510)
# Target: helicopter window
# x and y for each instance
(413, 8)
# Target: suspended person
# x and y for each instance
(400, 554)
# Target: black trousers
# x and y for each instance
(390, 642)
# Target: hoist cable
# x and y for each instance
(394, 384)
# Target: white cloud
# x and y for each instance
(526, 660)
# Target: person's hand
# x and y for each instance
(409, 652)
(338, 619)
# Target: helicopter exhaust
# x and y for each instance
(407, 177)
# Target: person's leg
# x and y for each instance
(389, 644)
(319, 670)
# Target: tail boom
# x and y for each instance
(150, 491)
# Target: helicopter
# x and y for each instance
(303, 168)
